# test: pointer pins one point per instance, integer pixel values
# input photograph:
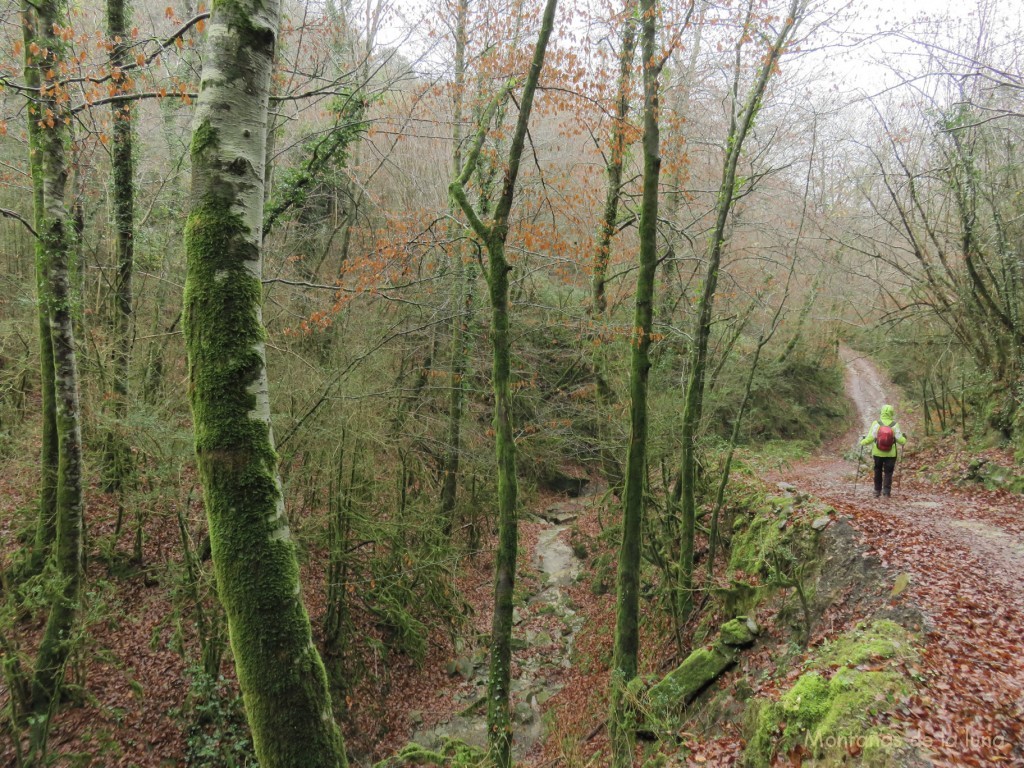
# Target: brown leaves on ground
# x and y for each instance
(964, 552)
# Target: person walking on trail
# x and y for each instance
(884, 437)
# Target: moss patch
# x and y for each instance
(842, 715)
(881, 639)
(681, 685)
(741, 632)
(452, 753)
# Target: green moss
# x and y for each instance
(740, 597)
(807, 701)
(452, 753)
(203, 137)
(681, 685)
(764, 723)
(738, 633)
(831, 716)
(749, 546)
(856, 698)
(281, 675)
(882, 639)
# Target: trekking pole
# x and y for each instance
(899, 466)
(856, 476)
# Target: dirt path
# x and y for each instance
(964, 552)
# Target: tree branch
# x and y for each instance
(7, 213)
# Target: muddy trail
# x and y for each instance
(963, 550)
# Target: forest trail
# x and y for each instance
(963, 550)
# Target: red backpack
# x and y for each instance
(885, 438)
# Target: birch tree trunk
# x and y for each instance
(282, 677)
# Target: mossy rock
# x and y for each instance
(836, 716)
(761, 535)
(452, 753)
(741, 632)
(882, 639)
(771, 531)
(740, 597)
(807, 701)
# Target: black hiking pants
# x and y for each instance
(884, 466)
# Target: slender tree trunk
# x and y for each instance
(494, 235)
(56, 236)
(118, 451)
(613, 169)
(627, 613)
(281, 675)
(723, 481)
(46, 525)
(693, 407)
(462, 296)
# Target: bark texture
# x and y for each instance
(494, 235)
(123, 197)
(462, 296)
(281, 675)
(613, 168)
(52, 135)
(49, 455)
(624, 658)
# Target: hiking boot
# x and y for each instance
(885, 493)
(877, 494)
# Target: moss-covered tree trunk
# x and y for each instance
(494, 235)
(281, 675)
(613, 166)
(462, 295)
(693, 407)
(49, 455)
(122, 192)
(52, 137)
(627, 607)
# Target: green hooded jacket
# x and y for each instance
(885, 417)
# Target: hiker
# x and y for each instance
(884, 435)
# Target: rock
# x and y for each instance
(451, 669)
(416, 718)
(560, 514)
(464, 667)
(517, 616)
(542, 638)
(821, 523)
(560, 482)
(738, 633)
(786, 487)
(523, 713)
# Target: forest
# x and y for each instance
(505, 382)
